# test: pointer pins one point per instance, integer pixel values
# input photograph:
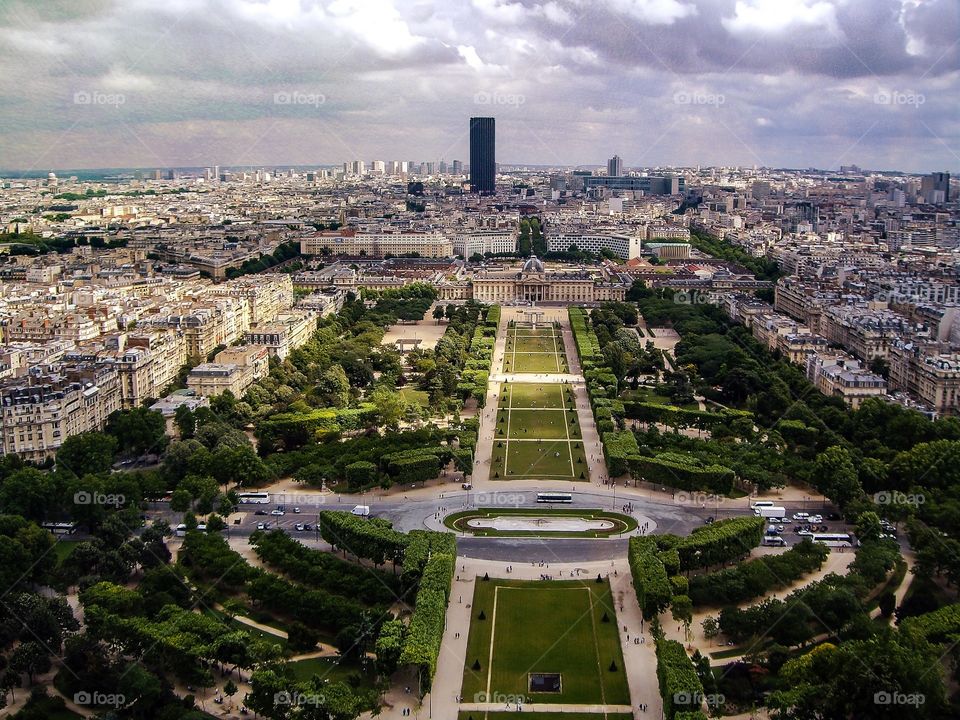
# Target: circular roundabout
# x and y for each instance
(539, 522)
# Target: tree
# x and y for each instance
(711, 627)
(29, 658)
(138, 431)
(868, 527)
(836, 476)
(180, 500)
(390, 406)
(438, 313)
(333, 387)
(185, 421)
(87, 453)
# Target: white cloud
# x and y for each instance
(654, 12)
(776, 16)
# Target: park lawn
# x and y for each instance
(537, 424)
(652, 395)
(63, 549)
(533, 363)
(414, 396)
(475, 715)
(553, 459)
(521, 344)
(548, 627)
(333, 668)
(549, 396)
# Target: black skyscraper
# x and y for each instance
(483, 163)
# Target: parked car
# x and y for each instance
(260, 512)
(261, 526)
(801, 516)
(296, 511)
(816, 518)
(307, 526)
(277, 512)
(298, 526)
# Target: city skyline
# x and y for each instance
(234, 82)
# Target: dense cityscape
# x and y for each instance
(592, 437)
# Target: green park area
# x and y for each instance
(529, 350)
(549, 641)
(537, 434)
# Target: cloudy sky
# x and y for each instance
(797, 83)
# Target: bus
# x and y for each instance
(843, 540)
(257, 498)
(60, 528)
(554, 497)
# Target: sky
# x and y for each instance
(778, 83)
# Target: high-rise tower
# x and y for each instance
(483, 163)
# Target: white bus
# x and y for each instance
(843, 540)
(257, 498)
(554, 497)
(60, 528)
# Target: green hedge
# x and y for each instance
(618, 447)
(373, 539)
(679, 417)
(757, 577)
(678, 680)
(650, 580)
(425, 632)
(293, 430)
(421, 545)
(720, 542)
(936, 626)
(665, 470)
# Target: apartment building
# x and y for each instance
(41, 410)
(266, 295)
(286, 332)
(480, 242)
(233, 369)
(626, 246)
(350, 241)
(928, 372)
(837, 374)
(867, 333)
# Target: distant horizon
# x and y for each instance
(16, 173)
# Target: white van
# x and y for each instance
(181, 530)
(361, 510)
(774, 541)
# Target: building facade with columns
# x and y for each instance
(534, 284)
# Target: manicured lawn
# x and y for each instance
(534, 424)
(531, 395)
(534, 351)
(530, 413)
(545, 627)
(549, 459)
